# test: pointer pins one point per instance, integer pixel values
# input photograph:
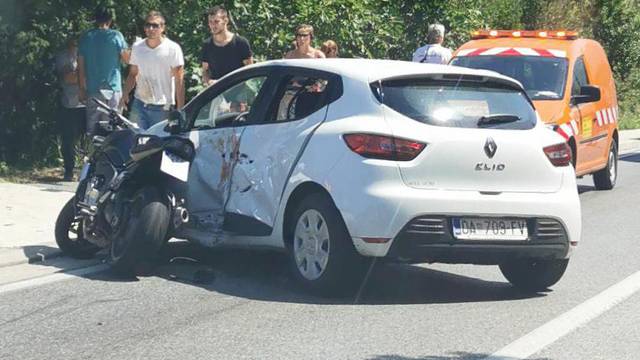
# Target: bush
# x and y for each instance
(37, 29)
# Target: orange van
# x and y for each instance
(571, 85)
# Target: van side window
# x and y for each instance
(579, 76)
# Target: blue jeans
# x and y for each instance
(147, 115)
(94, 116)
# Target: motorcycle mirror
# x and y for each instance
(175, 122)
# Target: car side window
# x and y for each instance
(579, 76)
(299, 97)
(231, 104)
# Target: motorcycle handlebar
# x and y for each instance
(115, 116)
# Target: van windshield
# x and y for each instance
(543, 78)
(464, 104)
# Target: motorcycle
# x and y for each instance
(123, 201)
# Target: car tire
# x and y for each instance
(322, 256)
(532, 274)
(142, 235)
(74, 245)
(606, 178)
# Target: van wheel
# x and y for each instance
(532, 274)
(322, 256)
(606, 178)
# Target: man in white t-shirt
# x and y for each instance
(433, 52)
(156, 69)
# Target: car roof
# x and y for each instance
(370, 70)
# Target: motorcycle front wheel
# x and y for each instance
(142, 233)
(69, 234)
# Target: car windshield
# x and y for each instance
(543, 78)
(466, 104)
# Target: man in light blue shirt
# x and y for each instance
(100, 53)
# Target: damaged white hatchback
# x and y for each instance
(339, 161)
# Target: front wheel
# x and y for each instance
(69, 234)
(606, 178)
(142, 233)
(322, 256)
(532, 274)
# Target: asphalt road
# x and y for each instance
(242, 305)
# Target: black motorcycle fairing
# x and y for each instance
(117, 145)
(146, 145)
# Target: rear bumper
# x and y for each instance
(377, 205)
(418, 243)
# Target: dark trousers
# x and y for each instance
(71, 123)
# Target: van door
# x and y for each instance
(592, 136)
(270, 149)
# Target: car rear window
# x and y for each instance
(543, 78)
(458, 103)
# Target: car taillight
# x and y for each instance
(383, 147)
(558, 154)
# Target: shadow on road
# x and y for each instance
(264, 276)
(462, 355)
(585, 188)
(43, 255)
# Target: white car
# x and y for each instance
(338, 161)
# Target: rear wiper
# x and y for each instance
(497, 119)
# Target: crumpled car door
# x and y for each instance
(218, 127)
(269, 151)
(209, 178)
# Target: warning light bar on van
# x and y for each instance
(542, 34)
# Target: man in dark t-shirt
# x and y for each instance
(224, 51)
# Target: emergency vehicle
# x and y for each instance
(571, 84)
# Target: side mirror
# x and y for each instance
(175, 123)
(588, 93)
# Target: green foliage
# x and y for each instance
(33, 31)
(618, 26)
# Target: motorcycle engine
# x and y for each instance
(92, 192)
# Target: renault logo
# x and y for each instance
(490, 147)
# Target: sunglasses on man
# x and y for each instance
(153, 25)
(303, 35)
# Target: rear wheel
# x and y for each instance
(606, 178)
(69, 234)
(322, 256)
(532, 274)
(142, 234)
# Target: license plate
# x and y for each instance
(84, 172)
(174, 166)
(490, 229)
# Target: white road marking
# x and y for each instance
(548, 333)
(26, 284)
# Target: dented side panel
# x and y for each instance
(210, 179)
(268, 153)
